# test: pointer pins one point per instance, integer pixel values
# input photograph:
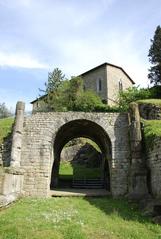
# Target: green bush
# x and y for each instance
(87, 101)
(130, 95)
(155, 92)
(152, 130)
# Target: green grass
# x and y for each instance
(152, 130)
(150, 101)
(67, 171)
(5, 127)
(82, 172)
(75, 218)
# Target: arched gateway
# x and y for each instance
(75, 129)
(41, 137)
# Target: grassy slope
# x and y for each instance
(78, 171)
(75, 218)
(150, 101)
(5, 127)
(152, 130)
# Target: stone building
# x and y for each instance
(106, 80)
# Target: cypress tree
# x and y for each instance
(155, 58)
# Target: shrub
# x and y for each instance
(130, 95)
(88, 101)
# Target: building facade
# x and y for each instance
(106, 80)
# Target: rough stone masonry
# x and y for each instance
(39, 139)
(39, 142)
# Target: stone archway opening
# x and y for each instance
(82, 165)
(86, 129)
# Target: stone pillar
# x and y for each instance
(138, 172)
(17, 135)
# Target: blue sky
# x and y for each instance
(38, 35)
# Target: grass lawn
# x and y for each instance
(152, 130)
(75, 218)
(67, 171)
(150, 101)
(5, 127)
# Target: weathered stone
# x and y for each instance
(41, 130)
(157, 220)
(150, 111)
(39, 139)
(138, 171)
(17, 135)
(154, 167)
(5, 200)
(12, 184)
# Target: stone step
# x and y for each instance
(89, 183)
(88, 186)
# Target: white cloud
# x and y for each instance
(15, 3)
(83, 54)
(74, 35)
(20, 60)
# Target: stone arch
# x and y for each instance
(75, 129)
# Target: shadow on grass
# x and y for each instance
(120, 207)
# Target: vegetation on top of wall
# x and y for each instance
(152, 130)
(64, 95)
(134, 94)
(150, 101)
(5, 128)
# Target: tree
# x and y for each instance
(88, 101)
(69, 95)
(155, 58)
(55, 78)
(54, 82)
(4, 112)
(130, 95)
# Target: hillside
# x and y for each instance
(5, 127)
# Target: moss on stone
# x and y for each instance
(150, 101)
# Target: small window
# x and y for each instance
(120, 85)
(99, 84)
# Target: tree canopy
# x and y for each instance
(4, 111)
(155, 58)
(68, 95)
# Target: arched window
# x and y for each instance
(120, 85)
(99, 84)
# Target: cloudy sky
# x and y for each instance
(38, 35)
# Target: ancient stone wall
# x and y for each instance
(1, 178)
(154, 166)
(5, 151)
(38, 137)
(68, 153)
(11, 174)
(150, 111)
(153, 151)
